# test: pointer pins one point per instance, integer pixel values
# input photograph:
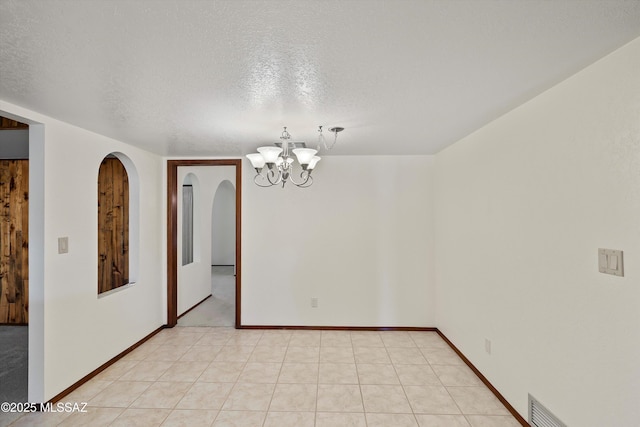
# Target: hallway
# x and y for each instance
(219, 308)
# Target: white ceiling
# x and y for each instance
(220, 78)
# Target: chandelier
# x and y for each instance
(280, 163)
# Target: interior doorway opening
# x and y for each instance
(182, 297)
(14, 262)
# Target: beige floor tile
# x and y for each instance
(42, 419)
(260, 373)
(184, 339)
(492, 421)
(442, 420)
(417, 375)
(406, 356)
(294, 398)
(7, 418)
(302, 354)
(299, 373)
(268, 354)
(190, 418)
(167, 353)
(161, 395)
(95, 417)
(189, 328)
(249, 397)
(456, 375)
(119, 394)
(366, 339)
(441, 356)
(336, 355)
(428, 340)
(184, 371)
(275, 339)
(213, 339)
(391, 420)
(477, 401)
(222, 372)
(388, 399)
(370, 373)
(327, 419)
(397, 339)
(147, 370)
(201, 353)
(141, 353)
(339, 398)
(234, 353)
(141, 418)
(290, 419)
(371, 355)
(335, 339)
(245, 339)
(338, 373)
(431, 400)
(303, 378)
(305, 339)
(239, 419)
(205, 396)
(87, 391)
(116, 370)
(160, 338)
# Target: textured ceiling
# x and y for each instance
(221, 77)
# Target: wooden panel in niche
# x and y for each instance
(113, 225)
(14, 238)
(6, 123)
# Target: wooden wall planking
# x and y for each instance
(14, 242)
(6, 123)
(113, 225)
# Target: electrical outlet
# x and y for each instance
(314, 302)
(487, 346)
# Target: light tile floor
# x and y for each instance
(204, 376)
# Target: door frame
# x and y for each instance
(172, 232)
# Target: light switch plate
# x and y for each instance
(63, 245)
(610, 262)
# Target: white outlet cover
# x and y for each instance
(63, 245)
(610, 262)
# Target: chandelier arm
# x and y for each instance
(255, 181)
(307, 183)
(271, 173)
(305, 175)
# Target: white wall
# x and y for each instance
(194, 280)
(72, 330)
(360, 240)
(522, 207)
(223, 225)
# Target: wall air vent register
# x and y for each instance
(539, 416)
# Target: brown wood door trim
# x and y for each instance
(172, 232)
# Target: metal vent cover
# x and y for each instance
(539, 416)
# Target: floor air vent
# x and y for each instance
(539, 416)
